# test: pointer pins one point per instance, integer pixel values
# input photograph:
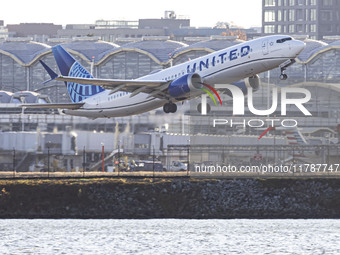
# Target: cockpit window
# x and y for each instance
(284, 39)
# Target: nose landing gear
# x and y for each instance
(283, 68)
(170, 107)
(283, 76)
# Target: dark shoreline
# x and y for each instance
(183, 199)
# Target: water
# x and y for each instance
(169, 236)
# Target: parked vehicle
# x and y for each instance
(147, 166)
(178, 166)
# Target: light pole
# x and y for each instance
(188, 160)
(84, 161)
(153, 163)
(48, 158)
(118, 157)
(13, 162)
(103, 157)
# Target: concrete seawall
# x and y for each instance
(107, 198)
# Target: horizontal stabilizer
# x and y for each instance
(73, 106)
(52, 74)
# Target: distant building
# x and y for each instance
(116, 30)
(176, 27)
(169, 21)
(113, 24)
(316, 18)
(40, 32)
(163, 23)
(3, 31)
(107, 34)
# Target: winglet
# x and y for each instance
(50, 72)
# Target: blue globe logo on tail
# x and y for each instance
(68, 66)
(79, 92)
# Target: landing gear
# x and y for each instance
(207, 109)
(283, 68)
(283, 76)
(170, 107)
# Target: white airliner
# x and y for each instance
(96, 98)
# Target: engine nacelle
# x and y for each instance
(254, 82)
(184, 85)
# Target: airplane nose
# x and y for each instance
(298, 46)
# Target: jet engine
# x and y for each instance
(184, 85)
(254, 82)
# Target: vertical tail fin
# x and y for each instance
(68, 66)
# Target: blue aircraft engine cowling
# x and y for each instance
(184, 85)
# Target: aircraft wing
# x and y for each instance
(155, 88)
(72, 106)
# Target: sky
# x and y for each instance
(206, 13)
(245, 13)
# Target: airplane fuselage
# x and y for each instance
(221, 67)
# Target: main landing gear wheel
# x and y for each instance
(199, 108)
(170, 107)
